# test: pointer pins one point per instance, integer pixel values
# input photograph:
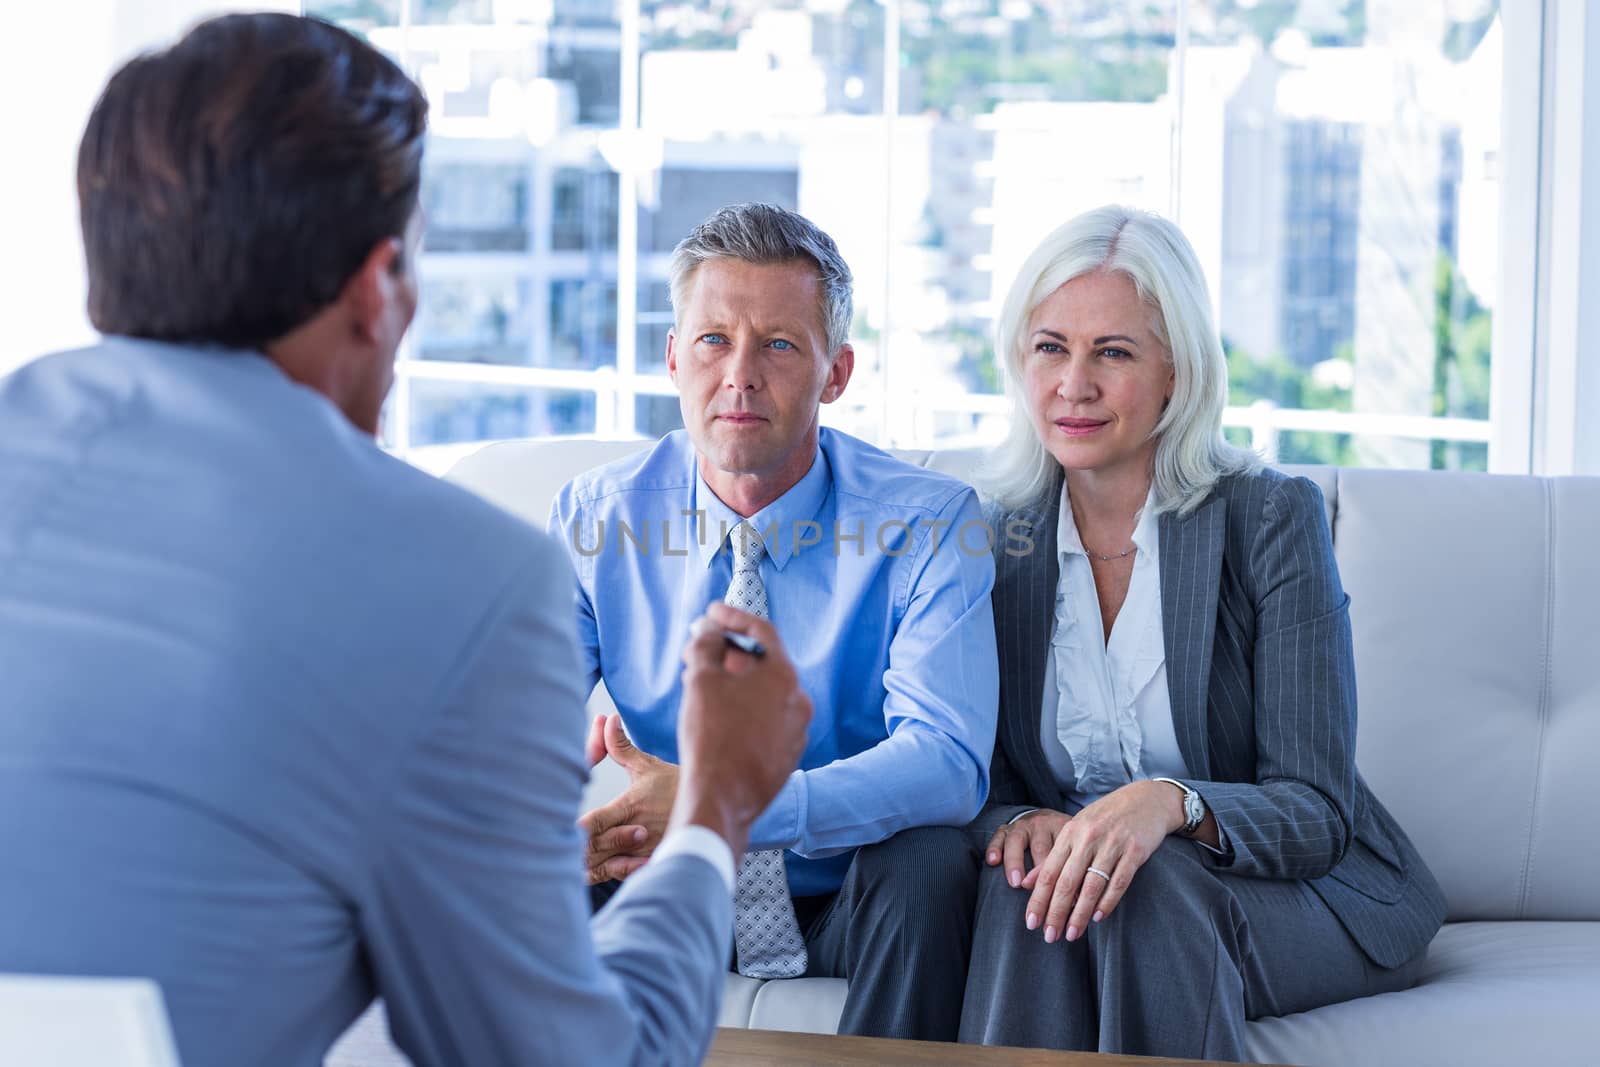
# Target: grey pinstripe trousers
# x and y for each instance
(1188, 956)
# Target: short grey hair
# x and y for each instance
(1191, 453)
(766, 233)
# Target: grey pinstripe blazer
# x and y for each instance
(1261, 675)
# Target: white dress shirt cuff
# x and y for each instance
(1223, 849)
(699, 841)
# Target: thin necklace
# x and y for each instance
(1124, 554)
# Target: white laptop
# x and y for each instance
(83, 1022)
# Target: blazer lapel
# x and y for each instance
(1028, 594)
(1191, 571)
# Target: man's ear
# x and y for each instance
(672, 356)
(374, 286)
(844, 364)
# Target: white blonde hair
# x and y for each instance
(1191, 453)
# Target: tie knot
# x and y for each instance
(747, 546)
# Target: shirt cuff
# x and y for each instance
(698, 841)
(1223, 849)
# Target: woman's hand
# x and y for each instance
(1034, 832)
(1115, 835)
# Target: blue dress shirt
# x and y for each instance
(878, 576)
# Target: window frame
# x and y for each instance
(1523, 375)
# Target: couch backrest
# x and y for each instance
(1476, 612)
(1475, 601)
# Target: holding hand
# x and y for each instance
(1034, 833)
(624, 833)
(742, 728)
(741, 732)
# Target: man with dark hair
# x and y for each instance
(876, 572)
(251, 748)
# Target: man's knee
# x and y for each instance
(918, 863)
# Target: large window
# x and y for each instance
(1333, 161)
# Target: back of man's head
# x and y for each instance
(231, 184)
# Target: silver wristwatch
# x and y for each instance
(1194, 809)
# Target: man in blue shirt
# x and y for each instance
(877, 575)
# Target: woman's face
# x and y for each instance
(1096, 376)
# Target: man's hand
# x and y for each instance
(594, 746)
(1033, 834)
(742, 727)
(623, 833)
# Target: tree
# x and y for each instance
(976, 366)
(1462, 335)
(1283, 383)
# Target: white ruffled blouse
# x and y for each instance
(1107, 716)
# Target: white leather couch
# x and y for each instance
(1476, 609)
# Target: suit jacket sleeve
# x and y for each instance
(477, 921)
(1297, 819)
(1009, 792)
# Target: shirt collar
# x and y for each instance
(1146, 535)
(775, 522)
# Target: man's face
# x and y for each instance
(750, 359)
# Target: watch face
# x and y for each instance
(1194, 808)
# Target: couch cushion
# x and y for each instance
(963, 463)
(1492, 993)
(808, 1005)
(1563, 863)
(523, 477)
(738, 998)
(1474, 602)
(367, 1043)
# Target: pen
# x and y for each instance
(745, 644)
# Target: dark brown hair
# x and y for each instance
(230, 185)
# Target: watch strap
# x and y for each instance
(1194, 808)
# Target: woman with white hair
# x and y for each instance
(1180, 839)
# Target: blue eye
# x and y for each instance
(782, 345)
(1048, 347)
(1116, 353)
(713, 338)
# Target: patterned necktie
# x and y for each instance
(766, 934)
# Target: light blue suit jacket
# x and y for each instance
(285, 723)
